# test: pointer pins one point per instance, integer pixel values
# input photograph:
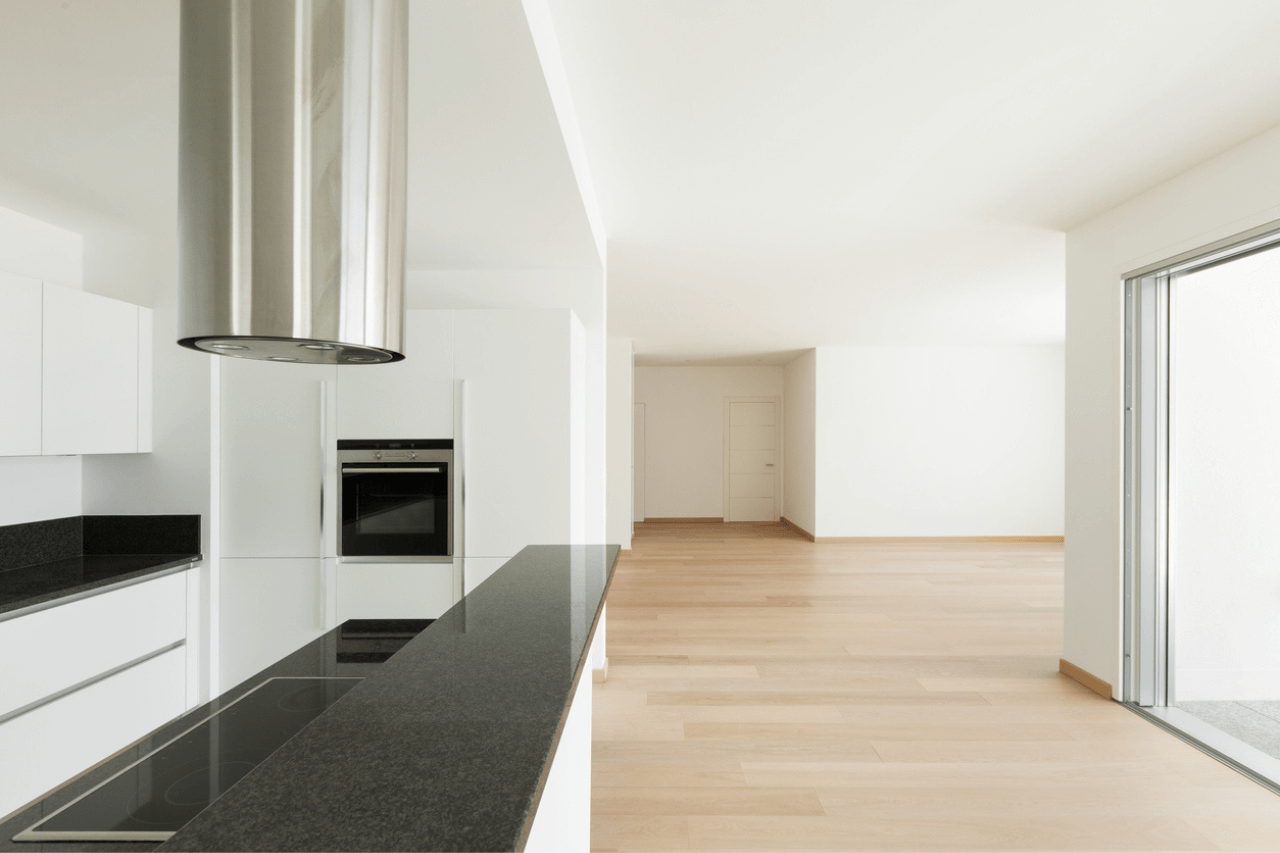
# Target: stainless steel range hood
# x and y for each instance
(291, 191)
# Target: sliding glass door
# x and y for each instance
(1202, 497)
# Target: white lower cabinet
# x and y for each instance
(267, 609)
(477, 570)
(72, 642)
(57, 666)
(396, 590)
(45, 747)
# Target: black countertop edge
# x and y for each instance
(30, 589)
(447, 746)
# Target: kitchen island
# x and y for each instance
(446, 746)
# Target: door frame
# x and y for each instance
(779, 438)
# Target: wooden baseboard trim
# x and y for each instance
(806, 534)
(682, 521)
(1088, 679)
(599, 676)
(932, 540)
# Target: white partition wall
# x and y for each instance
(619, 417)
(939, 441)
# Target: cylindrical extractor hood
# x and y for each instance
(291, 190)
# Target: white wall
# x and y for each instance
(35, 488)
(1231, 193)
(1225, 465)
(799, 401)
(939, 441)
(618, 418)
(684, 433)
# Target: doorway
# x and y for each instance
(752, 461)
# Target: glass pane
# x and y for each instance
(1224, 546)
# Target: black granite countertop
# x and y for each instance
(446, 746)
(45, 562)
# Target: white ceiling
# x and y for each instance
(89, 99)
(780, 174)
(774, 174)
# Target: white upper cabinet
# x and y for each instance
(95, 374)
(409, 399)
(20, 369)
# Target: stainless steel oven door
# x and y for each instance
(394, 508)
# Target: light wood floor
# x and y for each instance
(767, 693)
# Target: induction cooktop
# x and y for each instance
(157, 795)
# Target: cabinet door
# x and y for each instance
(90, 373)
(20, 370)
(270, 458)
(409, 399)
(51, 649)
(517, 366)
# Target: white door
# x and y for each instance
(752, 481)
(637, 464)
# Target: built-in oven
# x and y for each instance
(395, 500)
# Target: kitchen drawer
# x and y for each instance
(45, 747)
(54, 649)
(395, 590)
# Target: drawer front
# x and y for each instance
(54, 649)
(394, 590)
(43, 748)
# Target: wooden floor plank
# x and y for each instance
(769, 693)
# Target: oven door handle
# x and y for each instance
(352, 469)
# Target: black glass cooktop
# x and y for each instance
(158, 795)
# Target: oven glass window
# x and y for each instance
(401, 513)
(387, 511)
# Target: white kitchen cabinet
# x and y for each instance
(521, 441)
(45, 747)
(87, 678)
(20, 300)
(267, 610)
(396, 590)
(93, 358)
(270, 458)
(409, 399)
(65, 645)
